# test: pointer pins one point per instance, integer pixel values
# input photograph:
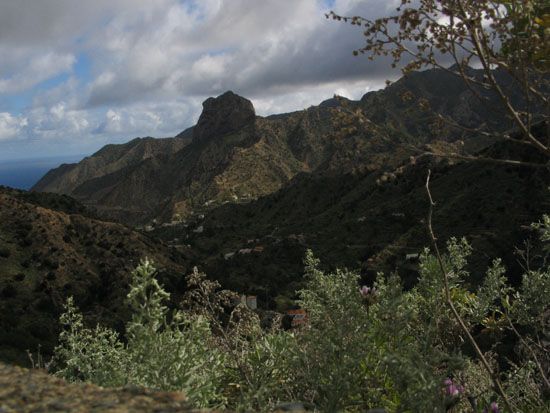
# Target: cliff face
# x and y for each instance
(228, 113)
(233, 154)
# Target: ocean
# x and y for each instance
(24, 173)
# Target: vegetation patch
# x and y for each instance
(377, 346)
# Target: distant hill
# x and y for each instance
(371, 222)
(51, 248)
(232, 155)
(24, 173)
(108, 159)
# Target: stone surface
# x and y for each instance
(222, 115)
(23, 390)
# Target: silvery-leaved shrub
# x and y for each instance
(258, 362)
(175, 353)
(94, 355)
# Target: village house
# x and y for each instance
(299, 317)
(251, 301)
(228, 255)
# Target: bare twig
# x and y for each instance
(465, 38)
(533, 354)
(496, 382)
(479, 46)
(488, 160)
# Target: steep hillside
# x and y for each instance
(47, 255)
(244, 196)
(236, 156)
(370, 222)
(109, 159)
(48, 200)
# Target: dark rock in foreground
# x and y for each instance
(23, 390)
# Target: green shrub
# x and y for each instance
(334, 344)
(366, 350)
(362, 348)
(160, 354)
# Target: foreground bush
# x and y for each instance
(167, 355)
(368, 347)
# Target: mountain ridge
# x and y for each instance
(108, 159)
(233, 155)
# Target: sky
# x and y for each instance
(78, 74)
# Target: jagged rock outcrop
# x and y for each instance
(224, 114)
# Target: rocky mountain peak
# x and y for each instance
(224, 114)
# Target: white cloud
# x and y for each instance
(58, 111)
(38, 69)
(112, 121)
(210, 67)
(11, 126)
(152, 62)
(149, 119)
(67, 92)
(249, 46)
(57, 123)
(314, 94)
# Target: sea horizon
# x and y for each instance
(23, 173)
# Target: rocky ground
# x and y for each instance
(24, 390)
(34, 391)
